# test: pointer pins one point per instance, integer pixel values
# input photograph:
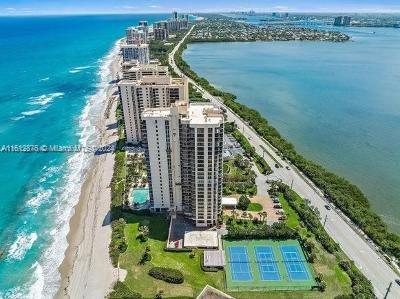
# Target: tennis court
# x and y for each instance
(294, 263)
(240, 265)
(266, 265)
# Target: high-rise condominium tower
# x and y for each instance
(150, 87)
(184, 156)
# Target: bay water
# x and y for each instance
(338, 103)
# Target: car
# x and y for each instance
(397, 281)
(282, 217)
(328, 207)
(276, 165)
(277, 206)
(275, 200)
(287, 167)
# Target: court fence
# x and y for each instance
(272, 288)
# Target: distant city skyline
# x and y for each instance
(50, 7)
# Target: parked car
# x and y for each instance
(328, 207)
(278, 206)
(280, 212)
(287, 167)
(275, 200)
(282, 217)
(276, 165)
(397, 281)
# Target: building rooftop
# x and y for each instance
(156, 112)
(201, 239)
(156, 80)
(229, 201)
(214, 258)
(204, 114)
(210, 292)
(124, 45)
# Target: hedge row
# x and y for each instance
(309, 218)
(121, 291)
(361, 286)
(177, 249)
(118, 243)
(251, 152)
(276, 231)
(341, 192)
(167, 274)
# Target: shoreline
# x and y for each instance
(86, 270)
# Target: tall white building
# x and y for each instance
(139, 52)
(136, 36)
(184, 156)
(152, 87)
(132, 70)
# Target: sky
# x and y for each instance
(43, 7)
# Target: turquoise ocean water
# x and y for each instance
(53, 73)
(339, 103)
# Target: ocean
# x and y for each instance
(53, 77)
(338, 103)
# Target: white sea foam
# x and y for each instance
(18, 118)
(21, 246)
(76, 169)
(42, 195)
(44, 99)
(32, 112)
(79, 69)
(44, 79)
(36, 289)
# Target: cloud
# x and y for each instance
(10, 8)
(129, 7)
(281, 8)
(154, 6)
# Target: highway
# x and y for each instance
(351, 241)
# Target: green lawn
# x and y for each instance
(254, 207)
(138, 279)
(292, 217)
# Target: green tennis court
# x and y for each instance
(266, 265)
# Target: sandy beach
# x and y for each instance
(86, 271)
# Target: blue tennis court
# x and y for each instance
(294, 263)
(266, 263)
(239, 262)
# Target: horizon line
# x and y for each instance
(193, 13)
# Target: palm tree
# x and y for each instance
(234, 214)
(144, 230)
(264, 216)
(250, 216)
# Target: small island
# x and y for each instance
(217, 28)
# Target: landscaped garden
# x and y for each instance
(239, 178)
(138, 267)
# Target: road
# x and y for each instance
(351, 241)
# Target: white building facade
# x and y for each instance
(184, 155)
(136, 52)
(157, 90)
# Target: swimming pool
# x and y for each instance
(140, 195)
